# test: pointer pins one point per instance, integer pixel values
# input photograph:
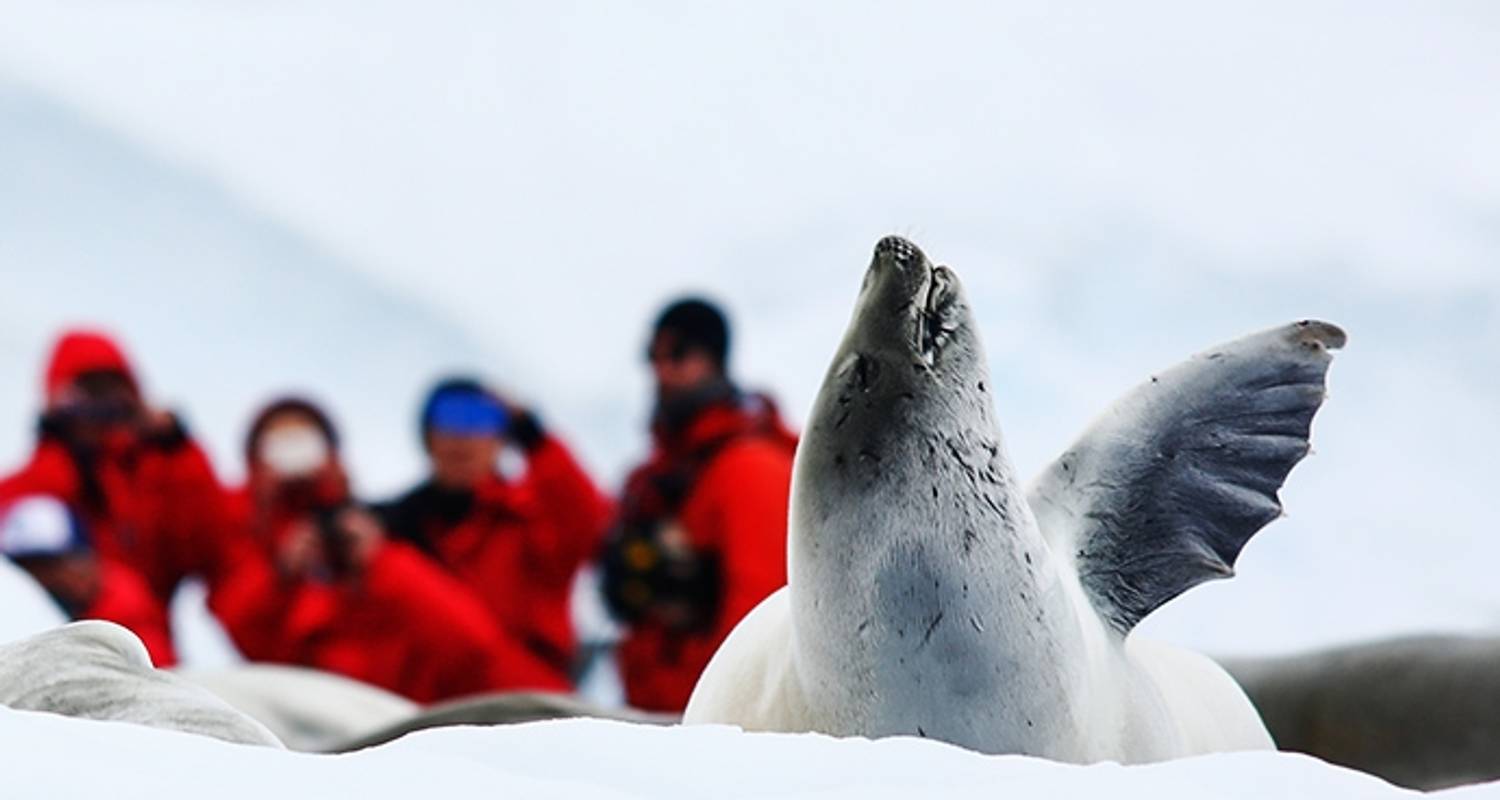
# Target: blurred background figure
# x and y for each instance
(48, 541)
(338, 595)
(132, 474)
(517, 542)
(701, 534)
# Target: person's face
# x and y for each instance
(97, 405)
(461, 461)
(679, 369)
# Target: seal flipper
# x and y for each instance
(1163, 491)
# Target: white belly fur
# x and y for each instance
(1155, 702)
(1210, 711)
(751, 681)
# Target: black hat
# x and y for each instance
(695, 323)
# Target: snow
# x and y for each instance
(200, 638)
(25, 608)
(598, 759)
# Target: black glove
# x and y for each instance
(335, 547)
(168, 435)
(54, 425)
(526, 431)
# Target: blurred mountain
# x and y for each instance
(220, 307)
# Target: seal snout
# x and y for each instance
(901, 267)
(909, 306)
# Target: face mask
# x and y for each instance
(293, 452)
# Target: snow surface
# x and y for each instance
(349, 196)
(25, 608)
(598, 759)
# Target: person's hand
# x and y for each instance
(524, 428)
(157, 422)
(298, 553)
(360, 536)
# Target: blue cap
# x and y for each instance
(464, 412)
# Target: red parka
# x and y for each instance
(150, 500)
(516, 544)
(400, 623)
(125, 599)
(736, 510)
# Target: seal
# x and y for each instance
(99, 670)
(320, 712)
(309, 710)
(500, 708)
(1422, 712)
(930, 595)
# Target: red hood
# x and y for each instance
(81, 351)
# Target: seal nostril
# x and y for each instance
(896, 247)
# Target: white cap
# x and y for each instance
(38, 525)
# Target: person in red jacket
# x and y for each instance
(143, 488)
(48, 541)
(339, 596)
(517, 542)
(701, 535)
